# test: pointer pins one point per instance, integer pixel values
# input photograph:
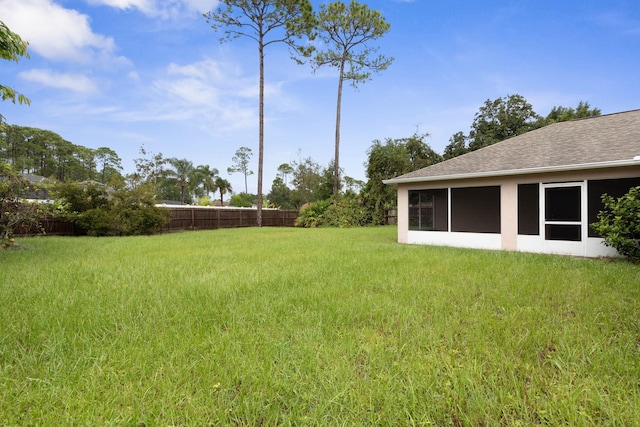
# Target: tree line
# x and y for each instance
(43, 152)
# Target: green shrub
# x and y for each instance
(99, 211)
(86, 205)
(141, 220)
(243, 200)
(82, 197)
(313, 215)
(136, 213)
(347, 212)
(15, 213)
(619, 223)
(96, 222)
(204, 201)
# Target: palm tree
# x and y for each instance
(223, 186)
(203, 180)
(183, 170)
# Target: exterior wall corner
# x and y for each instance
(403, 214)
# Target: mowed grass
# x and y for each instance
(282, 326)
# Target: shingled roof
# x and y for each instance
(603, 141)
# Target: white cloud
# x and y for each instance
(205, 89)
(137, 137)
(56, 33)
(125, 4)
(160, 8)
(74, 82)
(196, 84)
(208, 92)
(200, 5)
(204, 70)
(148, 7)
(212, 83)
(133, 75)
(191, 92)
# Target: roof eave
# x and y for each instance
(546, 169)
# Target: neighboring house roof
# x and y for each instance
(603, 141)
(33, 178)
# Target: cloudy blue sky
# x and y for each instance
(126, 73)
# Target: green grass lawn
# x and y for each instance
(312, 327)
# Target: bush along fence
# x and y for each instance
(184, 218)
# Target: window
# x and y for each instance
(529, 209)
(613, 187)
(562, 204)
(563, 232)
(563, 212)
(421, 210)
(475, 209)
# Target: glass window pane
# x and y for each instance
(476, 209)
(529, 209)
(562, 204)
(414, 210)
(563, 232)
(421, 205)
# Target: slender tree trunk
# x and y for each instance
(261, 136)
(336, 160)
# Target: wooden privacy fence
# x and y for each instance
(51, 226)
(186, 218)
(203, 218)
(391, 216)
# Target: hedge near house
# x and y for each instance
(619, 223)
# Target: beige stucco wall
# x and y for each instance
(509, 195)
(509, 215)
(403, 214)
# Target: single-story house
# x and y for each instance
(536, 192)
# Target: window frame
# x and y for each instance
(425, 213)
